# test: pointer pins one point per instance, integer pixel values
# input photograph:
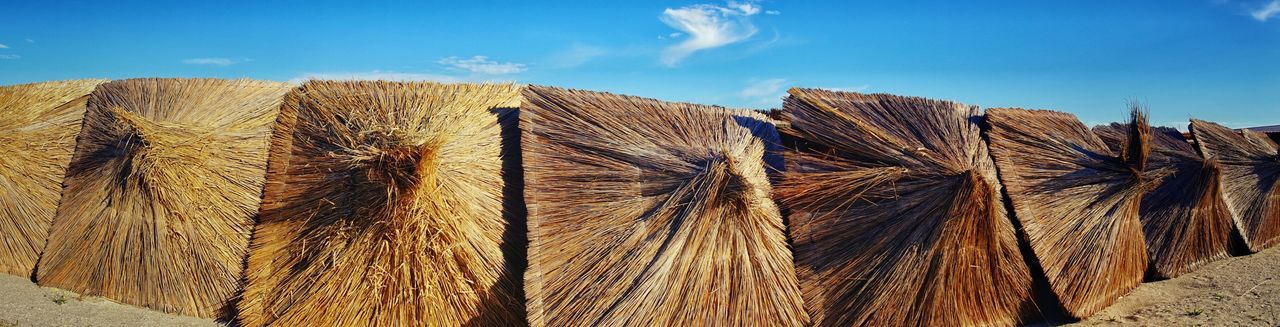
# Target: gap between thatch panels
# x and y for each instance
(651, 213)
(38, 127)
(1076, 200)
(162, 192)
(1250, 179)
(390, 204)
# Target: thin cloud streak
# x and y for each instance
(1266, 12)
(708, 26)
(482, 65)
(764, 92)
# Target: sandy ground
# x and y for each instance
(22, 303)
(1240, 291)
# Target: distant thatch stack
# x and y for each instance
(38, 127)
(1184, 219)
(1076, 200)
(1250, 179)
(897, 216)
(385, 206)
(162, 192)
(644, 212)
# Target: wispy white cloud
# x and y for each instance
(482, 65)
(764, 92)
(772, 12)
(1267, 11)
(30, 41)
(214, 61)
(376, 75)
(576, 55)
(2, 46)
(708, 26)
(9, 56)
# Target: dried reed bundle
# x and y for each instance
(38, 127)
(647, 213)
(896, 214)
(385, 207)
(1184, 219)
(1077, 201)
(162, 192)
(1250, 179)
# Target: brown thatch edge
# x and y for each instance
(1045, 158)
(868, 173)
(1184, 217)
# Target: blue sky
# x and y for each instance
(1217, 60)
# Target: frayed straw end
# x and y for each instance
(1137, 147)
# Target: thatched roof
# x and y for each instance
(896, 214)
(1076, 200)
(1184, 219)
(162, 192)
(644, 212)
(1250, 179)
(38, 127)
(1263, 129)
(388, 204)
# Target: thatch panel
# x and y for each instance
(162, 192)
(1077, 202)
(1250, 179)
(38, 127)
(644, 212)
(1184, 218)
(385, 206)
(896, 214)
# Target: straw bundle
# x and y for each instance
(385, 206)
(1250, 179)
(1076, 200)
(896, 214)
(162, 192)
(1184, 218)
(38, 127)
(647, 213)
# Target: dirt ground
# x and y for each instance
(22, 303)
(1240, 291)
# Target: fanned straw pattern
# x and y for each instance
(38, 127)
(651, 213)
(1184, 219)
(162, 192)
(385, 206)
(896, 214)
(1076, 200)
(1250, 179)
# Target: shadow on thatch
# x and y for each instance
(896, 214)
(391, 207)
(515, 239)
(1250, 172)
(39, 123)
(645, 212)
(1184, 219)
(160, 195)
(1076, 200)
